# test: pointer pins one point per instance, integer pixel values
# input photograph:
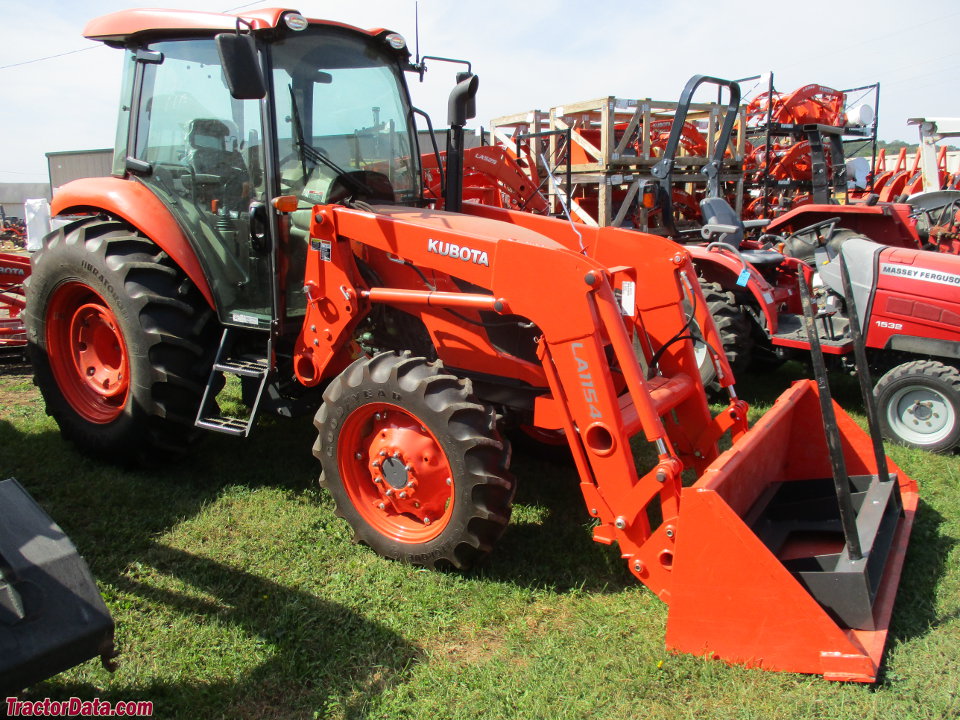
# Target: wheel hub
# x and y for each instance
(922, 412)
(396, 473)
(97, 350)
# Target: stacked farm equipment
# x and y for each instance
(13, 231)
(303, 257)
(798, 144)
(907, 297)
(594, 159)
(751, 271)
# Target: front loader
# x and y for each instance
(266, 220)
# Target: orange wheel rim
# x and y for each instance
(395, 473)
(87, 353)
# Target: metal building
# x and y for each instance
(75, 164)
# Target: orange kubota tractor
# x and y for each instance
(266, 219)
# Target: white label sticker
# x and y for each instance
(628, 298)
(916, 273)
(245, 319)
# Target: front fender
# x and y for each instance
(133, 202)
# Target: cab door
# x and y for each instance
(206, 157)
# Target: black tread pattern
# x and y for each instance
(732, 325)
(467, 430)
(171, 336)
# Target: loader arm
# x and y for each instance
(594, 386)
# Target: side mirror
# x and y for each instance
(238, 55)
(462, 105)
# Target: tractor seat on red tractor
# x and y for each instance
(721, 223)
(217, 163)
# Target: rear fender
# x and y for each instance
(133, 202)
(885, 223)
(725, 269)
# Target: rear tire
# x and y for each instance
(414, 463)
(734, 330)
(121, 342)
(919, 405)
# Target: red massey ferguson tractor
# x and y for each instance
(265, 219)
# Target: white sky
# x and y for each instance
(533, 54)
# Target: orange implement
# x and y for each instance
(744, 567)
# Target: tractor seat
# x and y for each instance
(717, 211)
(762, 257)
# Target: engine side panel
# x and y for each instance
(917, 296)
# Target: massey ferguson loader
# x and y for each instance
(265, 219)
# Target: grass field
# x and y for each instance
(238, 594)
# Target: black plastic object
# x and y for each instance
(51, 614)
(461, 107)
(238, 53)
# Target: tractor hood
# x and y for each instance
(466, 225)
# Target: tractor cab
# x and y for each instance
(330, 121)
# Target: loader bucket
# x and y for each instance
(763, 574)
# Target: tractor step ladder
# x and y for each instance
(797, 520)
(245, 366)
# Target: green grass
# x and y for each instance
(238, 594)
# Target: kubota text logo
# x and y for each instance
(453, 250)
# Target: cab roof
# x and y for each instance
(141, 23)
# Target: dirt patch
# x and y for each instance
(474, 649)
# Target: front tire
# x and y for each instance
(414, 463)
(919, 405)
(120, 340)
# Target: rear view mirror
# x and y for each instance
(462, 105)
(238, 54)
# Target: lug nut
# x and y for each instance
(389, 492)
(382, 506)
(408, 468)
(403, 496)
(375, 463)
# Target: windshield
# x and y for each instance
(343, 122)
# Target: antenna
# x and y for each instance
(416, 28)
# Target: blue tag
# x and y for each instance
(743, 278)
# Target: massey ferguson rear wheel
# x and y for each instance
(414, 463)
(919, 405)
(734, 330)
(120, 340)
